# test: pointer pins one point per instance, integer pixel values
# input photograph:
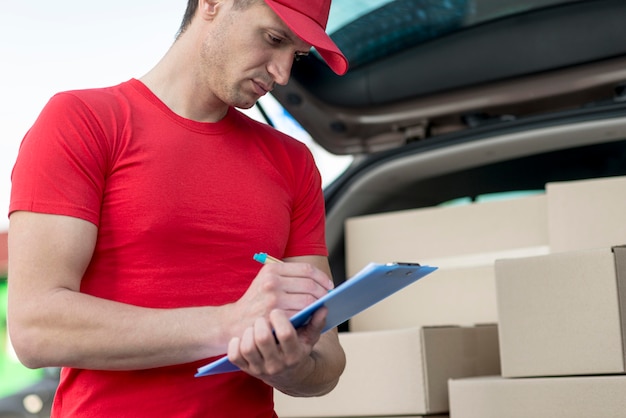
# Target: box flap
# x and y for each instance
(620, 270)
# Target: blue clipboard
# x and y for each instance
(372, 284)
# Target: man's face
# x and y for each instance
(246, 52)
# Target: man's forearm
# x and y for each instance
(67, 328)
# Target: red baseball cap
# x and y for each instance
(307, 19)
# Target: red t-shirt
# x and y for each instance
(181, 207)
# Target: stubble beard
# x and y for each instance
(215, 74)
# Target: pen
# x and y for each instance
(264, 258)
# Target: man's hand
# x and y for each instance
(289, 287)
(278, 354)
(298, 362)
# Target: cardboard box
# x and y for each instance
(449, 296)
(586, 214)
(400, 372)
(550, 397)
(563, 314)
(463, 241)
(484, 231)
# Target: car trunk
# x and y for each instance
(509, 103)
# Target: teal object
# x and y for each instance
(13, 375)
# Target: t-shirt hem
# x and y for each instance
(312, 250)
(55, 209)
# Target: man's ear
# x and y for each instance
(208, 9)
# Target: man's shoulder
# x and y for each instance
(97, 94)
(92, 103)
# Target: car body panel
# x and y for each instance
(545, 59)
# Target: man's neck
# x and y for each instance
(174, 80)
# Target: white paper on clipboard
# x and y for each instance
(372, 284)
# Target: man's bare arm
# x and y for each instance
(52, 324)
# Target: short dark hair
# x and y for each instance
(192, 6)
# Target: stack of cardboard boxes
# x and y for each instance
(463, 241)
(517, 263)
(402, 372)
(562, 316)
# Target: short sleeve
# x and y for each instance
(309, 217)
(61, 164)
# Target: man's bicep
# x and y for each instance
(48, 252)
(319, 261)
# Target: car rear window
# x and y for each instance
(368, 30)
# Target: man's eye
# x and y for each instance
(274, 39)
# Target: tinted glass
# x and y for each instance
(366, 30)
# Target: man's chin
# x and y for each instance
(245, 106)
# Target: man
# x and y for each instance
(135, 212)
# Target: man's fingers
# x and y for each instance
(309, 279)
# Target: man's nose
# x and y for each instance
(280, 67)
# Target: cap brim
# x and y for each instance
(312, 33)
